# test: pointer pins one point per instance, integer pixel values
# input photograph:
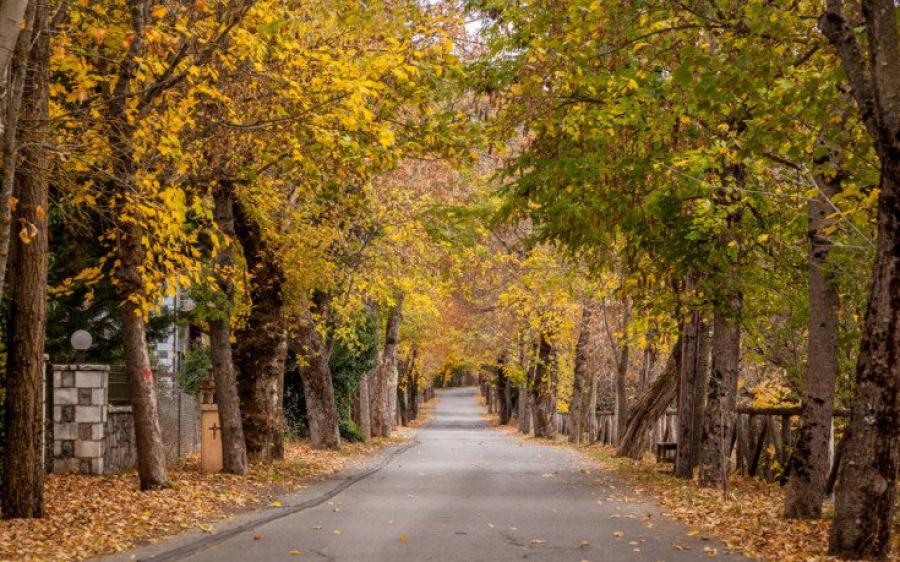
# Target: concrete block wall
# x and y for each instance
(79, 418)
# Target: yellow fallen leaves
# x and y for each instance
(92, 515)
(749, 522)
(404, 538)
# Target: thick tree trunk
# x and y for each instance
(691, 392)
(720, 413)
(23, 478)
(542, 392)
(260, 348)
(234, 450)
(318, 390)
(582, 413)
(12, 13)
(650, 406)
(809, 465)
(864, 505)
(385, 379)
(360, 407)
(14, 89)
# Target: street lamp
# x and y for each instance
(81, 341)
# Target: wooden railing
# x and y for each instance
(760, 445)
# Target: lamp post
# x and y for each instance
(81, 341)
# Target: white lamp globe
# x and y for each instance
(81, 340)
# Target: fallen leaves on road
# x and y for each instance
(749, 522)
(92, 515)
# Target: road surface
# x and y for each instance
(466, 492)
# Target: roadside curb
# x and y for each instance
(193, 542)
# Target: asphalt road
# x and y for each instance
(466, 492)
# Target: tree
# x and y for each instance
(864, 504)
(23, 482)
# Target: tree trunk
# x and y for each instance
(361, 403)
(524, 413)
(318, 390)
(234, 450)
(260, 347)
(621, 390)
(413, 395)
(864, 505)
(582, 414)
(809, 465)
(385, 378)
(650, 406)
(691, 391)
(12, 13)
(23, 478)
(722, 397)
(503, 396)
(542, 392)
(14, 89)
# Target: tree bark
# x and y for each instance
(23, 478)
(12, 13)
(582, 413)
(864, 504)
(361, 403)
(385, 378)
(234, 450)
(691, 392)
(809, 465)
(542, 392)
(260, 347)
(318, 390)
(719, 418)
(14, 89)
(524, 412)
(650, 406)
(622, 390)
(503, 396)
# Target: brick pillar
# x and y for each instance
(79, 418)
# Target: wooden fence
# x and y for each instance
(760, 445)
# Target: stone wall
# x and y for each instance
(79, 418)
(120, 452)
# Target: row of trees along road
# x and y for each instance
(239, 150)
(734, 166)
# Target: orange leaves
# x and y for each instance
(92, 515)
(750, 522)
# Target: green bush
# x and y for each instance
(196, 367)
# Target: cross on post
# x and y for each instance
(214, 427)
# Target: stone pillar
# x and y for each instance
(79, 418)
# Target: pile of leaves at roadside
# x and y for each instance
(92, 515)
(749, 521)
